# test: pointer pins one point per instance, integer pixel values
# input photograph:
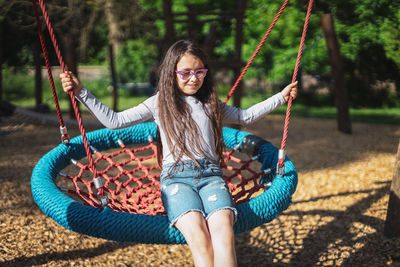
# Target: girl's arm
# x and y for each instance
(245, 116)
(108, 117)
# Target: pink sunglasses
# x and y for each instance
(187, 74)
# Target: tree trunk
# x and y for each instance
(209, 41)
(192, 24)
(169, 23)
(38, 76)
(1, 57)
(85, 34)
(71, 61)
(340, 90)
(113, 47)
(392, 223)
(113, 29)
(1, 78)
(238, 50)
(113, 77)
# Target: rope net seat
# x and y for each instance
(135, 212)
(114, 193)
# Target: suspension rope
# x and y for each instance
(96, 179)
(256, 51)
(101, 197)
(64, 134)
(281, 157)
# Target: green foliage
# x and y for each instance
(368, 32)
(390, 35)
(134, 61)
(276, 59)
(369, 38)
(17, 84)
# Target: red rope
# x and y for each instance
(256, 51)
(133, 179)
(51, 33)
(65, 136)
(71, 93)
(288, 110)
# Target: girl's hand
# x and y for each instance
(291, 90)
(70, 82)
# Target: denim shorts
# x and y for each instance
(186, 189)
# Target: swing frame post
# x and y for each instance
(392, 222)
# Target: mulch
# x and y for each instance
(336, 219)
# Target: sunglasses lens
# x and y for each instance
(201, 74)
(185, 75)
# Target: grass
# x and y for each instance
(366, 115)
(18, 91)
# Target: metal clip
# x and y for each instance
(103, 200)
(280, 166)
(237, 147)
(120, 143)
(280, 170)
(64, 135)
(267, 178)
(97, 182)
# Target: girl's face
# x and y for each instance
(189, 63)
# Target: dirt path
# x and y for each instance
(336, 218)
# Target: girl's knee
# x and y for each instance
(221, 219)
(194, 227)
(220, 225)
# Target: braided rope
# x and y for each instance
(65, 136)
(256, 52)
(132, 179)
(51, 33)
(243, 195)
(142, 228)
(71, 94)
(289, 105)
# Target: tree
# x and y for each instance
(169, 23)
(1, 56)
(38, 75)
(392, 223)
(17, 19)
(339, 84)
(241, 7)
(367, 35)
(70, 22)
(113, 45)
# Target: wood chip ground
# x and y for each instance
(336, 218)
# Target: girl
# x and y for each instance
(189, 116)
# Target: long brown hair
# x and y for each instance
(174, 112)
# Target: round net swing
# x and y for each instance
(135, 212)
(106, 184)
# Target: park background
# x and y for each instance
(342, 157)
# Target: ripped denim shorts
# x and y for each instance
(186, 188)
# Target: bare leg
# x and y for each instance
(193, 226)
(220, 225)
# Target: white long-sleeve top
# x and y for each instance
(148, 110)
